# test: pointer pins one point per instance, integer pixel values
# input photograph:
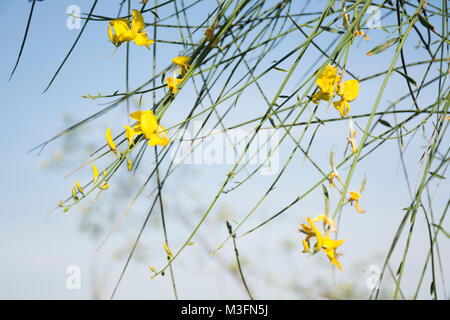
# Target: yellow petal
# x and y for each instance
(79, 187)
(129, 133)
(327, 220)
(318, 235)
(110, 140)
(162, 131)
(342, 106)
(137, 129)
(141, 39)
(136, 115)
(172, 84)
(320, 95)
(352, 141)
(181, 60)
(326, 80)
(358, 208)
(156, 140)
(332, 257)
(330, 179)
(350, 90)
(104, 186)
(74, 194)
(123, 31)
(305, 246)
(354, 195)
(169, 253)
(149, 125)
(94, 168)
(111, 35)
(112, 22)
(137, 24)
(209, 34)
(307, 230)
(331, 244)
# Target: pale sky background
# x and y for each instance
(36, 248)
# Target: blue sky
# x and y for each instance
(37, 248)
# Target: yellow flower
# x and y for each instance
(147, 123)
(354, 197)
(149, 127)
(119, 31)
(129, 133)
(94, 168)
(348, 91)
(110, 140)
(172, 83)
(324, 242)
(182, 63)
(352, 138)
(331, 178)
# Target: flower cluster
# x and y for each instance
(147, 124)
(323, 240)
(354, 195)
